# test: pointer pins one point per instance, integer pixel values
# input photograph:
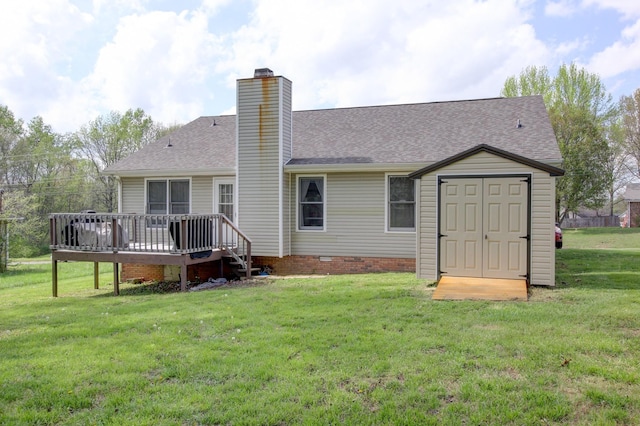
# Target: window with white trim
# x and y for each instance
(225, 199)
(401, 204)
(311, 203)
(167, 196)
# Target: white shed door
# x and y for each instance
(483, 227)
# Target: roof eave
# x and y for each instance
(170, 173)
(552, 170)
(367, 167)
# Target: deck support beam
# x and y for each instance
(54, 278)
(182, 260)
(116, 280)
(96, 274)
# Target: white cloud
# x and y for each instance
(628, 8)
(357, 53)
(120, 5)
(564, 49)
(157, 61)
(69, 66)
(621, 56)
(212, 7)
(33, 41)
(560, 8)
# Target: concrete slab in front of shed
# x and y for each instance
(469, 288)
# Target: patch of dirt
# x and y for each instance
(149, 287)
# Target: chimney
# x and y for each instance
(263, 144)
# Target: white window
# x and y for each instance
(224, 198)
(166, 196)
(401, 204)
(311, 206)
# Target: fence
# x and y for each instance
(591, 222)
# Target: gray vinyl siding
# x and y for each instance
(428, 229)
(542, 254)
(287, 153)
(202, 195)
(354, 222)
(287, 141)
(287, 199)
(133, 200)
(260, 157)
(132, 195)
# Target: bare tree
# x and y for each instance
(630, 107)
(109, 139)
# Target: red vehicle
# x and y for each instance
(558, 237)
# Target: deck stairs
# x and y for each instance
(238, 262)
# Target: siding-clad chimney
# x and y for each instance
(264, 146)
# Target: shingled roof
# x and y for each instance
(377, 135)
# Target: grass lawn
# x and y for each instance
(358, 349)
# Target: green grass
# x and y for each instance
(602, 238)
(359, 349)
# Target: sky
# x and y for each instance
(70, 61)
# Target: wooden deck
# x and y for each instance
(468, 288)
(156, 239)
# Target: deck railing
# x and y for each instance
(146, 233)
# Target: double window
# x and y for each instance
(311, 203)
(168, 196)
(401, 204)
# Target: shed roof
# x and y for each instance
(552, 170)
(632, 192)
(389, 134)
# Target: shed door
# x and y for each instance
(483, 223)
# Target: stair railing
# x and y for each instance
(236, 243)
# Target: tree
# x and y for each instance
(579, 109)
(531, 81)
(10, 132)
(618, 164)
(24, 224)
(38, 155)
(630, 109)
(109, 139)
(36, 171)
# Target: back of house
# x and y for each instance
(463, 187)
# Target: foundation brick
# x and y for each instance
(323, 265)
(289, 265)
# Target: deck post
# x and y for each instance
(114, 234)
(116, 282)
(96, 273)
(54, 277)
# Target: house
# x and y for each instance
(462, 187)
(632, 214)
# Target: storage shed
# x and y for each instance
(493, 217)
